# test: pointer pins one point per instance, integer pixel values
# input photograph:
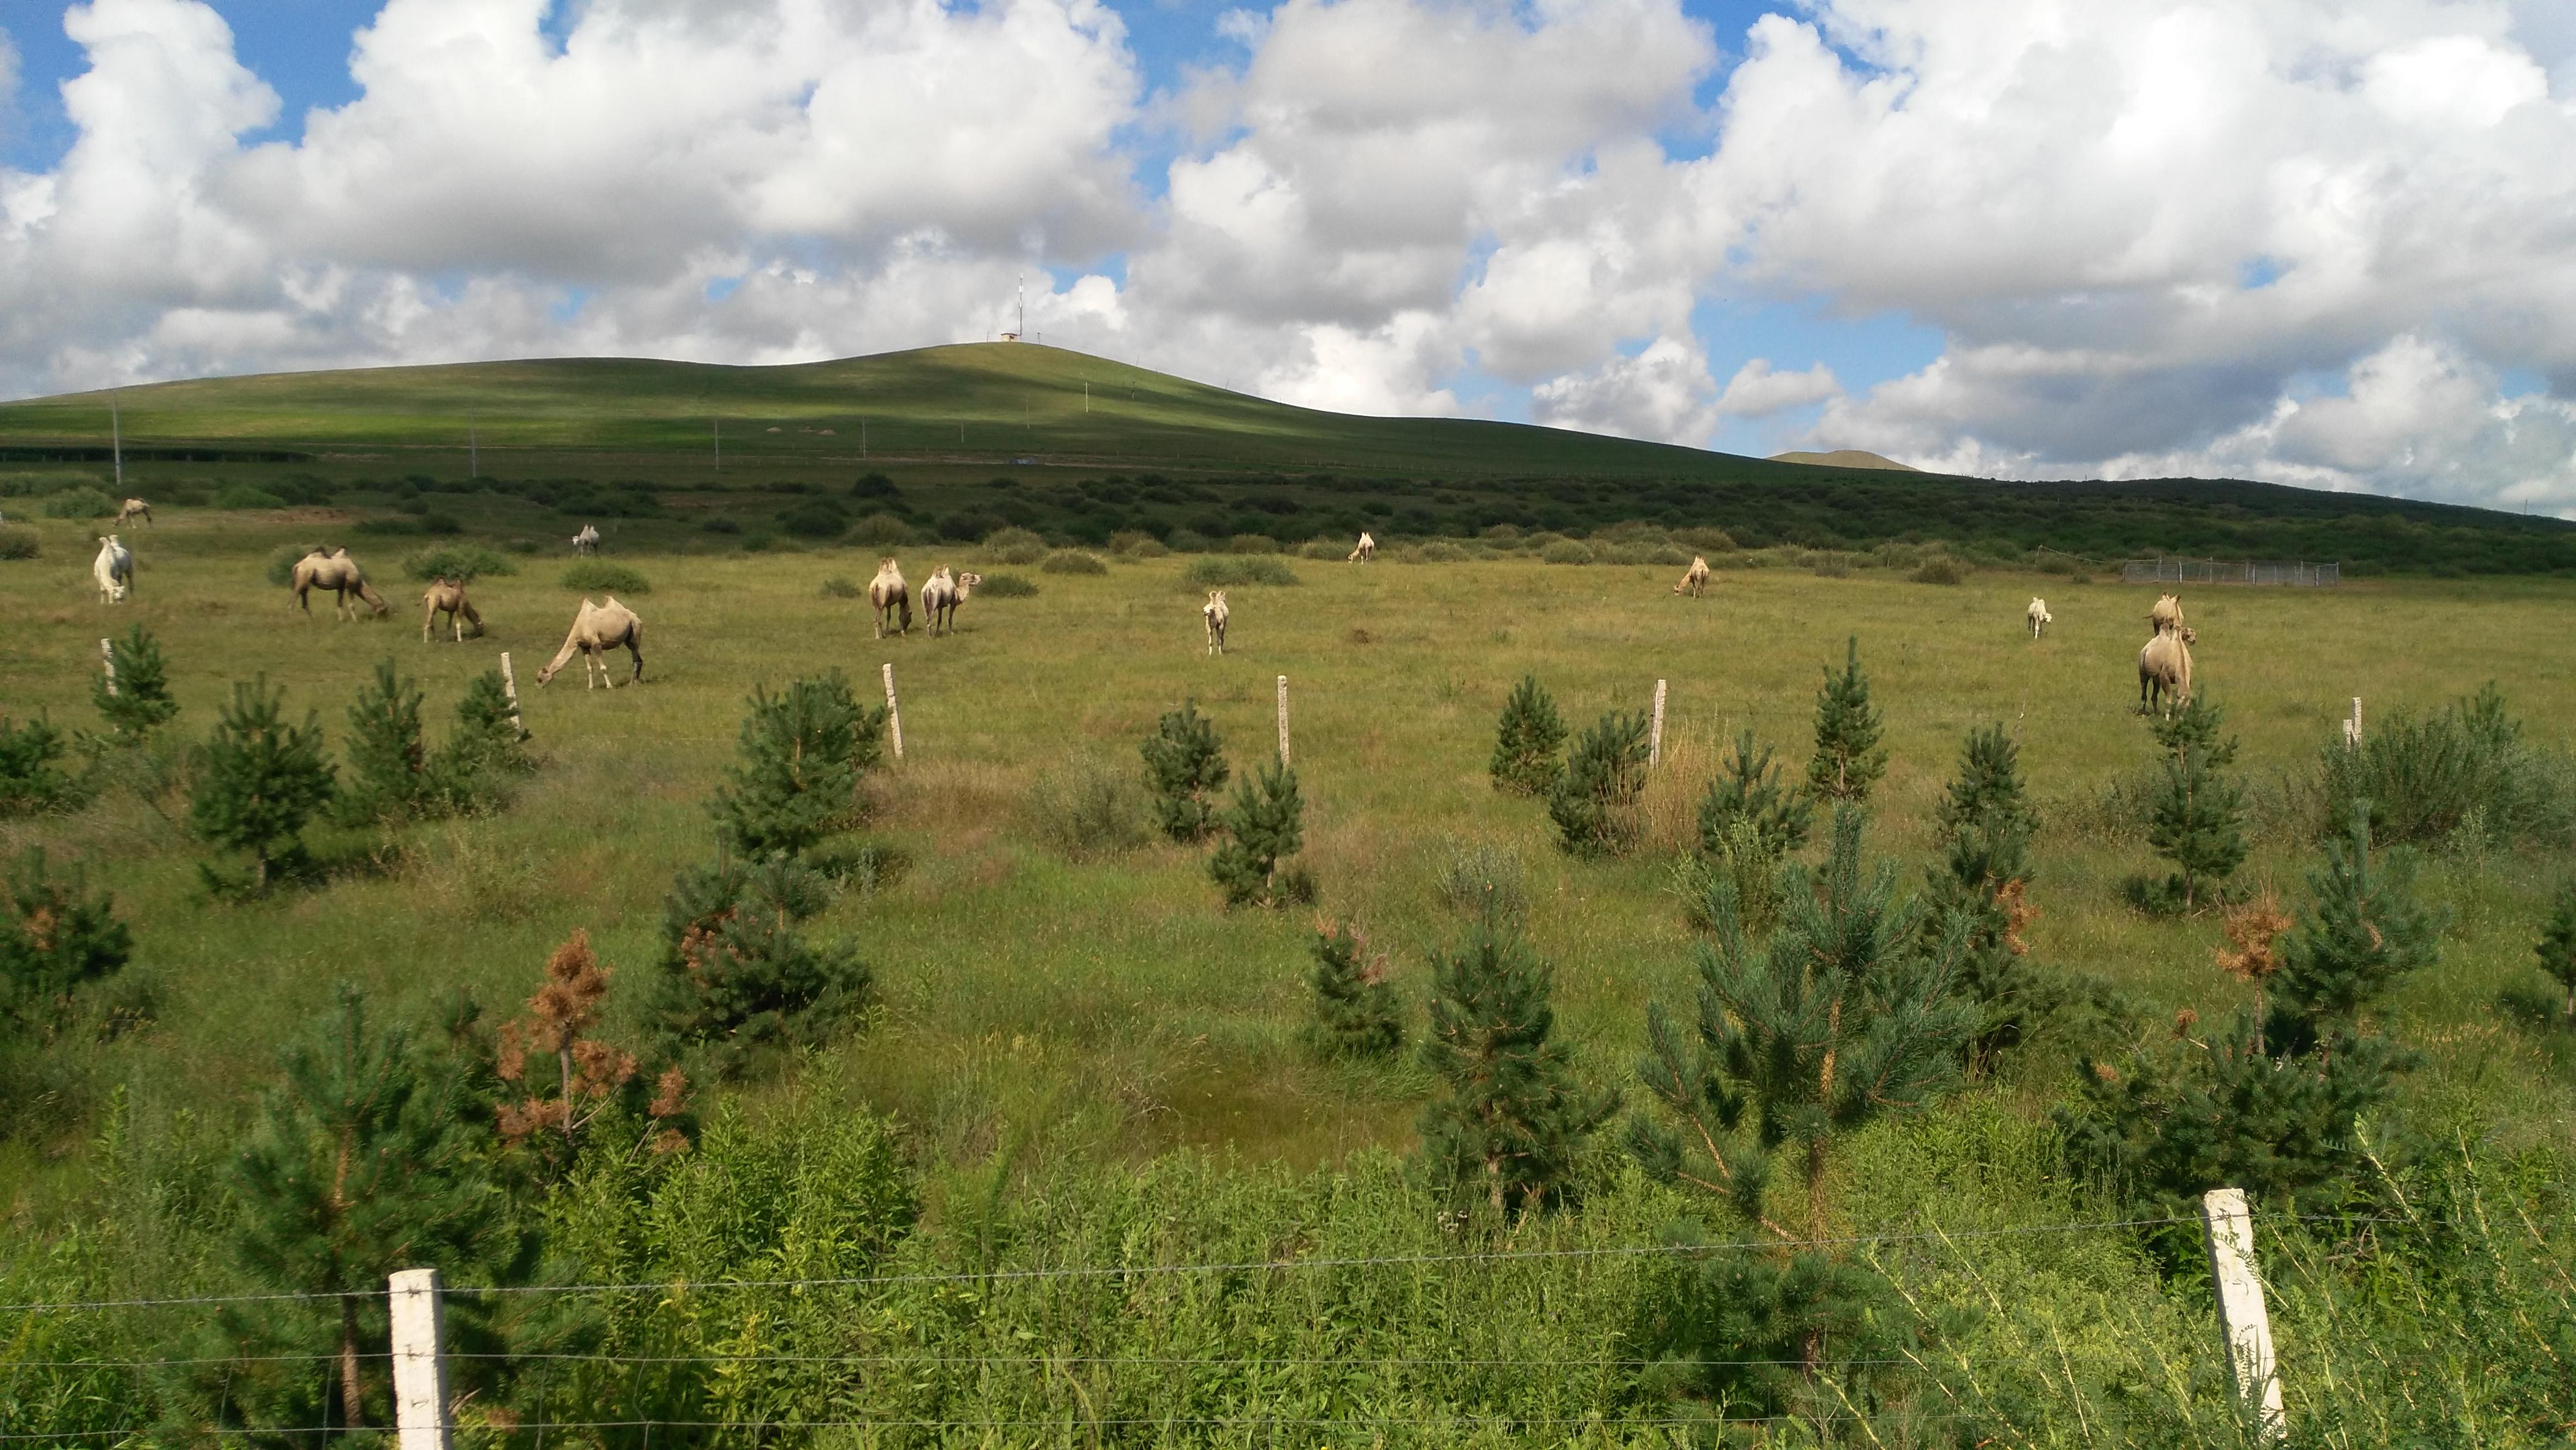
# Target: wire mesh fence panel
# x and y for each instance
(2168, 570)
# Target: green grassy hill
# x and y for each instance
(1090, 448)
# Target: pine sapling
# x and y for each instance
(1984, 826)
(262, 780)
(1185, 765)
(1748, 792)
(2252, 954)
(1848, 760)
(389, 776)
(2197, 819)
(1357, 1014)
(55, 937)
(796, 782)
(483, 750)
(32, 778)
(2364, 930)
(1528, 742)
(1264, 826)
(1594, 803)
(141, 701)
(2557, 948)
(737, 970)
(1510, 1118)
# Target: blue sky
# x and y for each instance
(2025, 238)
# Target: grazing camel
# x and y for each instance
(2164, 671)
(596, 630)
(1214, 612)
(2039, 616)
(449, 595)
(940, 596)
(135, 508)
(113, 569)
(587, 541)
(2167, 615)
(890, 597)
(1694, 579)
(334, 570)
(1366, 551)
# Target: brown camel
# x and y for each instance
(449, 595)
(135, 508)
(1694, 579)
(334, 570)
(889, 596)
(597, 629)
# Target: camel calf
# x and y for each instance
(449, 595)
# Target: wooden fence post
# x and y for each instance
(894, 713)
(420, 1373)
(107, 662)
(1283, 722)
(510, 692)
(1655, 740)
(2242, 1324)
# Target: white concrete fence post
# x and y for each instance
(420, 1371)
(1283, 722)
(107, 663)
(2352, 727)
(2242, 1323)
(1655, 740)
(510, 692)
(894, 713)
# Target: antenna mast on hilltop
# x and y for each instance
(1020, 327)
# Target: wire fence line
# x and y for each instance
(1111, 1271)
(2298, 573)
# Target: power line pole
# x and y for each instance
(473, 457)
(116, 442)
(719, 447)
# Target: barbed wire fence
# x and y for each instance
(425, 1411)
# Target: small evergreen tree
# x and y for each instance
(1846, 1017)
(1264, 826)
(1527, 742)
(2197, 819)
(361, 1163)
(1984, 826)
(141, 702)
(1357, 1013)
(32, 778)
(389, 774)
(262, 780)
(1749, 792)
(1185, 764)
(1510, 1117)
(1848, 760)
(802, 753)
(2557, 948)
(738, 973)
(1594, 802)
(483, 751)
(2270, 1103)
(56, 937)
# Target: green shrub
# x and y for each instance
(1510, 1119)
(1567, 551)
(1015, 546)
(1594, 803)
(47, 481)
(1440, 551)
(820, 520)
(1005, 586)
(882, 530)
(438, 524)
(2464, 771)
(31, 775)
(1527, 741)
(1321, 549)
(1085, 810)
(1073, 561)
(738, 972)
(1137, 545)
(803, 752)
(719, 524)
(1940, 569)
(1233, 571)
(389, 775)
(54, 937)
(281, 563)
(601, 576)
(78, 503)
(18, 543)
(1265, 825)
(246, 496)
(1185, 765)
(1356, 1011)
(141, 702)
(262, 780)
(1252, 544)
(465, 562)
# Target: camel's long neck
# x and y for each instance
(572, 646)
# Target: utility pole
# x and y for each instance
(719, 447)
(863, 440)
(473, 457)
(116, 443)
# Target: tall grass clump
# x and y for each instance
(1085, 809)
(18, 543)
(1005, 586)
(1072, 561)
(2463, 772)
(78, 503)
(1477, 878)
(1233, 571)
(606, 577)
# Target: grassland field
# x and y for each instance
(1110, 1010)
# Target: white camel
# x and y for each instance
(587, 541)
(1214, 612)
(1366, 551)
(113, 569)
(2038, 616)
(941, 594)
(597, 629)
(2164, 670)
(1694, 579)
(448, 595)
(2165, 616)
(891, 598)
(334, 570)
(134, 508)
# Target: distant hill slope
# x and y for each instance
(963, 439)
(1845, 458)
